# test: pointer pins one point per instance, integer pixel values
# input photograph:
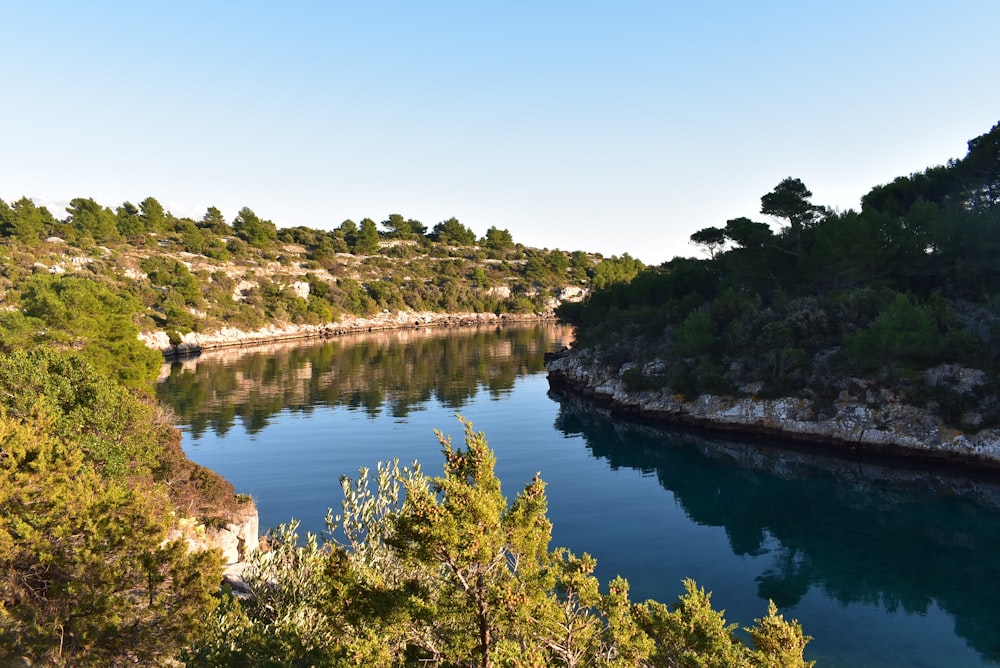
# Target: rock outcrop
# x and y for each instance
(863, 421)
(236, 539)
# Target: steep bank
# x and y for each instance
(859, 421)
(194, 342)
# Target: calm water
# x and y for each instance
(883, 566)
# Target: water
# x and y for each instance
(884, 566)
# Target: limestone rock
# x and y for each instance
(874, 421)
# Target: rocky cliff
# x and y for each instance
(236, 538)
(860, 420)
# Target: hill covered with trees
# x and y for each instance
(901, 297)
(179, 275)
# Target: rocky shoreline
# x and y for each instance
(871, 423)
(193, 343)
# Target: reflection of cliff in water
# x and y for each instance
(395, 371)
(863, 532)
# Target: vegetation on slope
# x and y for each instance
(92, 478)
(180, 275)
(909, 283)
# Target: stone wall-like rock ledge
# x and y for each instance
(877, 426)
(195, 342)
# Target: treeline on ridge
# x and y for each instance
(911, 282)
(181, 275)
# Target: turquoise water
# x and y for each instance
(883, 566)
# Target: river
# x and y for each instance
(883, 566)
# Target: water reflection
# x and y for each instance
(878, 562)
(861, 532)
(396, 372)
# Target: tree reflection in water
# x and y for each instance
(394, 371)
(863, 532)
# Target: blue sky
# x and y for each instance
(612, 127)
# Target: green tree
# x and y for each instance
(444, 571)
(904, 334)
(90, 220)
(114, 429)
(215, 222)
(367, 239)
(616, 270)
(27, 222)
(153, 215)
(399, 228)
(488, 559)
(980, 171)
(256, 232)
(129, 221)
(87, 575)
(746, 233)
(348, 230)
(497, 239)
(711, 239)
(453, 233)
(77, 313)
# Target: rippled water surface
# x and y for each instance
(883, 566)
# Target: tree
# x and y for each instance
(113, 428)
(90, 220)
(347, 233)
(712, 239)
(74, 312)
(905, 333)
(980, 171)
(497, 239)
(453, 232)
(25, 221)
(153, 215)
(616, 270)
(215, 222)
(444, 571)
(399, 228)
(256, 232)
(488, 559)
(129, 222)
(87, 575)
(746, 233)
(367, 239)
(790, 200)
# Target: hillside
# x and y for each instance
(893, 309)
(176, 280)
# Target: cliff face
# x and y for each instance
(867, 421)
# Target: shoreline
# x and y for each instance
(888, 431)
(193, 343)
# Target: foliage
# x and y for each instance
(444, 571)
(178, 275)
(87, 577)
(256, 232)
(121, 434)
(76, 313)
(453, 232)
(883, 294)
(367, 239)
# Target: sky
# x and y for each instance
(609, 127)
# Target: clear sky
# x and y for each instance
(612, 127)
